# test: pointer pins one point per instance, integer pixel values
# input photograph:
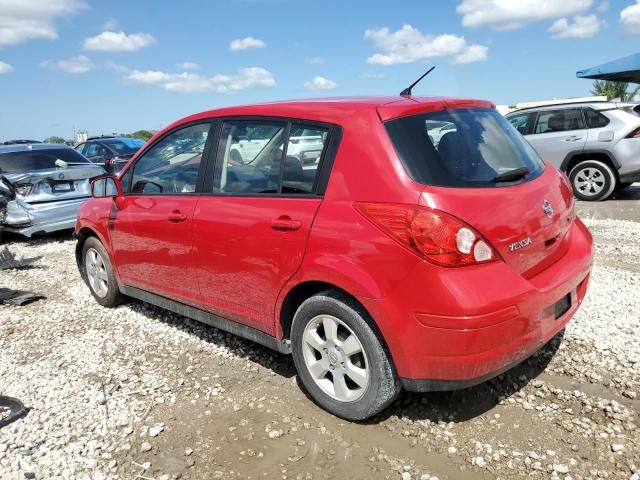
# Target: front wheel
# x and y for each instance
(98, 274)
(592, 180)
(340, 359)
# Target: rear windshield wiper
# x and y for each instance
(512, 175)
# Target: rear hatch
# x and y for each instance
(475, 166)
(51, 174)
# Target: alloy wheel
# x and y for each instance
(335, 358)
(96, 273)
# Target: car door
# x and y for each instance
(151, 230)
(557, 133)
(250, 232)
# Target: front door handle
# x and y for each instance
(284, 223)
(177, 216)
(572, 138)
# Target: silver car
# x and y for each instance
(596, 144)
(42, 186)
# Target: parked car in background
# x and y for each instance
(390, 263)
(112, 152)
(596, 144)
(48, 183)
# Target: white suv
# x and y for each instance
(597, 144)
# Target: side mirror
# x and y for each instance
(106, 187)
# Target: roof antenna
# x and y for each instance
(407, 91)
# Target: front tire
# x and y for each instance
(340, 358)
(98, 274)
(592, 180)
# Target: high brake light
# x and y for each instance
(434, 235)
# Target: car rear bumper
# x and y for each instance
(498, 318)
(30, 218)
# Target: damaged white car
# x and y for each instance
(42, 186)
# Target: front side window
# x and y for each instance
(559, 121)
(463, 148)
(171, 165)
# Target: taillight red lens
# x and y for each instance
(634, 134)
(434, 235)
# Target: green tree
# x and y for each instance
(54, 139)
(141, 134)
(614, 90)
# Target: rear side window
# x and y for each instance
(559, 121)
(595, 119)
(32, 160)
(461, 148)
(252, 159)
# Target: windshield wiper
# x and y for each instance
(512, 175)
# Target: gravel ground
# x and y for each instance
(137, 392)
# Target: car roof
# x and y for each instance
(339, 109)
(21, 147)
(108, 137)
(602, 105)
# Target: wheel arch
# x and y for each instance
(81, 237)
(574, 158)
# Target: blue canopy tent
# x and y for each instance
(625, 69)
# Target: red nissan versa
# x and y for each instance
(387, 243)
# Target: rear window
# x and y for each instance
(462, 148)
(31, 160)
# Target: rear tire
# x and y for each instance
(592, 180)
(98, 274)
(340, 358)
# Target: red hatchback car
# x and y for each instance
(386, 243)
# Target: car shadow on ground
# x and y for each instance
(629, 193)
(466, 404)
(455, 406)
(280, 364)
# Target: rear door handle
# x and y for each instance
(285, 223)
(572, 138)
(177, 216)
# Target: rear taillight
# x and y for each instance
(24, 189)
(634, 134)
(434, 235)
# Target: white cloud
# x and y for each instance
(316, 61)
(186, 82)
(188, 66)
(510, 14)
(118, 42)
(245, 43)
(5, 68)
(110, 25)
(582, 27)
(473, 53)
(630, 18)
(409, 45)
(74, 65)
(22, 20)
(320, 83)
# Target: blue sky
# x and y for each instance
(129, 65)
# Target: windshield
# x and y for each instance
(32, 160)
(125, 146)
(463, 148)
